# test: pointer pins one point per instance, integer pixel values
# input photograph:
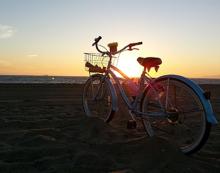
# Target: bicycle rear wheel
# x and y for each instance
(97, 98)
(185, 124)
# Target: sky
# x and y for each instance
(49, 37)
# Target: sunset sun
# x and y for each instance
(109, 86)
(129, 65)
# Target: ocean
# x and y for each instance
(73, 79)
(42, 79)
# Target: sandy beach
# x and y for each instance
(43, 128)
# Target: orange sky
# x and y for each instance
(49, 37)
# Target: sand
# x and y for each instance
(43, 129)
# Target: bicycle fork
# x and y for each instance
(95, 95)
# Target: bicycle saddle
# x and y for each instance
(150, 62)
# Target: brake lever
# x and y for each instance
(135, 48)
(130, 48)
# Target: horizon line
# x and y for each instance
(202, 77)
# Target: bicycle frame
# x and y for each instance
(132, 105)
(177, 102)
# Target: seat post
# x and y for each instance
(143, 72)
(142, 78)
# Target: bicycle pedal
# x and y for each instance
(131, 124)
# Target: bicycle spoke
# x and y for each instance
(92, 88)
(97, 99)
(192, 111)
(185, 122)
(167, 93)
(161, 129)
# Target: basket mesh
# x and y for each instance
(96, 59)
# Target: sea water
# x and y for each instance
(42, 79)
(73, 79)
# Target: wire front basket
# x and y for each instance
(95, 62)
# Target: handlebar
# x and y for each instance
(135, 44)
(129, 46)
(97, 40)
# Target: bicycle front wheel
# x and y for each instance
(185, 122)
(97, 98)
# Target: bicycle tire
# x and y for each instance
(97, 107)
(180, 107)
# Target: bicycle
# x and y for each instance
(170, 106)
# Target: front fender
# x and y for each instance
(198, 90)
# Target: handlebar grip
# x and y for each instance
(135, 44)
(97, 40)
(139, 43)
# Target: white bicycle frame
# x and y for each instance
(133, 105)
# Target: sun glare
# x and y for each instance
(130, 66)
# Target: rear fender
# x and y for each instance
(201, 94)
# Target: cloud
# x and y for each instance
(32, 55)
(4, 63)
(6, 31)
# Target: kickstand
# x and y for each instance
(132, 116)
(148, 128)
